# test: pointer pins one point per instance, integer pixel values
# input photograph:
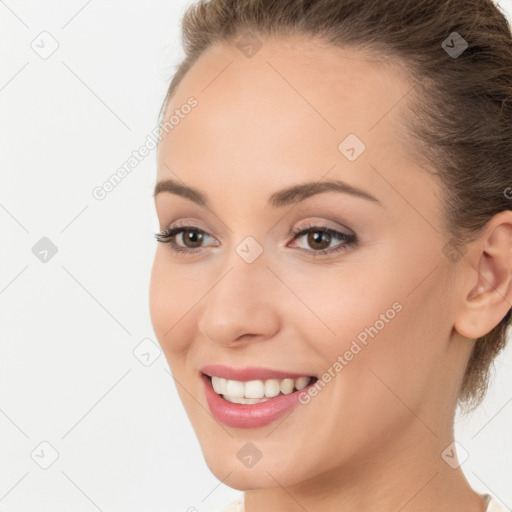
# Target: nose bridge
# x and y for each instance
(244, 270)
(241, 301)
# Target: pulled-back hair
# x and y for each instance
(461, 108)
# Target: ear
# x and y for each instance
(488, 293)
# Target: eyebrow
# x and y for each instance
(278, 199)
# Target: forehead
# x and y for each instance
(285, 111)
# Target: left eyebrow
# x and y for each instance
(278, 199)
(302, 191)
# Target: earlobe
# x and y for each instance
(489, 297)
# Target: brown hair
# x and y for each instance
(462, 106)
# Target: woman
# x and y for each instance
(334, 274)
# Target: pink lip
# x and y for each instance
(248, 373)
(249, 415)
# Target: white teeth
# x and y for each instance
(255, 391)
(301, 382)
(287, 386)
(272, 388)
(235, 388)
(245, 400)
(219, 384)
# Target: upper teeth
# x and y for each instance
(258, 388)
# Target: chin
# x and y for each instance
(223, 459)
(241, 478)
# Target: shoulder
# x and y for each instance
(493, 505)
(235, 506)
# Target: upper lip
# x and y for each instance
(248, 373)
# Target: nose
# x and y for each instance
(243, 306)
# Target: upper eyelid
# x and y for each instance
(298, 229)
(296, 232)
(308, 224)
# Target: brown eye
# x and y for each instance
(191, 238)
(319, 239)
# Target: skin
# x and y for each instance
(372, 439)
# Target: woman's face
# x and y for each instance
(249, 300)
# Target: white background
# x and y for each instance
(68, 327)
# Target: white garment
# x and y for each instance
(492, 505)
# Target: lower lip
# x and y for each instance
(249, 415)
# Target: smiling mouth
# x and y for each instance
(256, 391)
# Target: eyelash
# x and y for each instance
(167, 237)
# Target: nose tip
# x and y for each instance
(239, 308)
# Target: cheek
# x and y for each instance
(396, 372)
(338, 305)
(375, 317)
